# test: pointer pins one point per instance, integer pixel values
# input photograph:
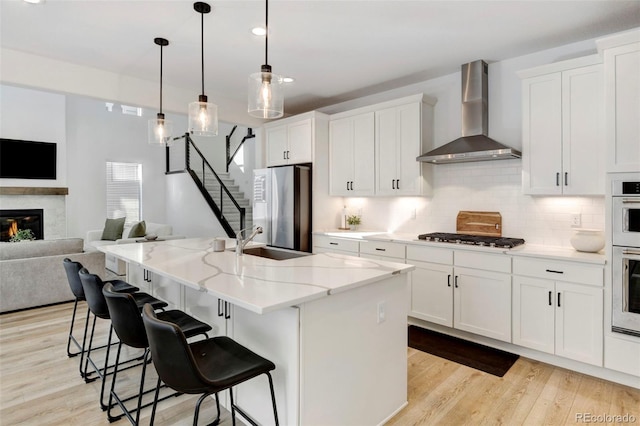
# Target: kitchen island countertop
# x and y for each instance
(257, 284)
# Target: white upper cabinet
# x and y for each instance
(398, 143)
(373, 149)
(563, 128)
(351, 156)
(622, 100)
(291, 140)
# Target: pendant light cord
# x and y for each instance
(161, 79)
(202, 47)
(266, 36)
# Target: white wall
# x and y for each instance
(35, 116)
(187, 211)
(492, 185)
(95, 136)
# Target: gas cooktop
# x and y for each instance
(475, 240)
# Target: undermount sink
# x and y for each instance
(273, 253)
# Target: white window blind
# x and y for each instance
(124, 191)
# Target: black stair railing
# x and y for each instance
(218, 201)
(230, 156)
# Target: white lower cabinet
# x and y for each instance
(432, 293)
(482, 303)
(326, 244)
(454, 292)
(208, 308)
(556, 316)
(382, 250)
(199, 304)
(156, 285)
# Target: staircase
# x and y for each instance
(229, 210)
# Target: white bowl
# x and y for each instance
(151, 237)
(588, 240)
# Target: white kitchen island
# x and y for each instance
(334, 325)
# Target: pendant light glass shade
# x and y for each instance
(160, 130)
(203, 115)
(266, 97)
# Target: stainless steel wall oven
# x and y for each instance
(626, 256)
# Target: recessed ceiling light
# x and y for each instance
(259, 31)
(34, 1)
(288, 79)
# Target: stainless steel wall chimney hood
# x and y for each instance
(474, 145)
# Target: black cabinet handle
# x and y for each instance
(284, 155)
(333, 244)
(220, 313)
(397, 183)
(449, 280)
(566, 178)
(347, 185)
(381, 249)
(393, 184)
(550, 302)
(557, 179)
(455, 281)
(227, 313)
(554, 272)
(288, 155)
(352, 185)
(559, 299)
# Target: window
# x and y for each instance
(124, 191)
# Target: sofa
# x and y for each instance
(32, 274)
(93, 240)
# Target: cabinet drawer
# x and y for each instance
(486, 261)
(382, 248)
(336, 243)
(429, 254)
(559, 271)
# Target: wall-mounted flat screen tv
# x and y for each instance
(27, 159)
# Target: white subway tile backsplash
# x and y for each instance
(483, 186)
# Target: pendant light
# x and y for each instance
(160, 130)
(203, 115)
(266, 99)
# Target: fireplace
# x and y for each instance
(13, 220)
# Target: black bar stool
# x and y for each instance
(127, 322)
(204, 367)
(72, 269)
(92, 285)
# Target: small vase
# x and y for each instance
(353, 227)
(588, 240)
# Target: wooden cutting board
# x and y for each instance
(479, 223)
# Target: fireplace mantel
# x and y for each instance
(33, 190)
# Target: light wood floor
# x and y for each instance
(40, 385)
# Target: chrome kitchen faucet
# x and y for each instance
(240, 243)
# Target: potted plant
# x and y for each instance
(22, 235)
(353, 221)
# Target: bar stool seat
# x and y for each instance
(204, 367)
(92, 285)
(72, 269)
(127, 322)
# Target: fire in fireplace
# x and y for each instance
(13, 220)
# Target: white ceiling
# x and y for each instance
(335, 50)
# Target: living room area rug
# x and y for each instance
(474, 355)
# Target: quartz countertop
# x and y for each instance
(528, 250)
(258, 284)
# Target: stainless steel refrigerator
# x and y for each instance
(282, 206)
